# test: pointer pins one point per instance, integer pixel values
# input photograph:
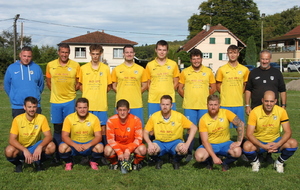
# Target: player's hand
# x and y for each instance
(217, 160)
(235, 144)
(121, 157)
(85, 147)
(126, 154)
(183, 148)
(37, 153)
(28, 156)
(273, 147)
(248, 110)
(151, 148)
(78, 147)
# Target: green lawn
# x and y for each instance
(190, 176)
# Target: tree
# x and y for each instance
(251, 52)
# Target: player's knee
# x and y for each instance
(98, 148)
(236, 152)
(200, 156)
(141, 150)
(108, 151)
(292, 143)
(63, 148)
(248, 146)
(10, 151)
(50, 149)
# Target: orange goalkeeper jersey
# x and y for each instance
(129, 134)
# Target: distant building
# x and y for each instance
(112, 45)
(213, 41)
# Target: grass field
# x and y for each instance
(190, 175)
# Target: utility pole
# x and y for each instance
(262, 31)
(15, 36)
(21, 37)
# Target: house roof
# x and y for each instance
(204, 34)
(98, 38)
(293, 34)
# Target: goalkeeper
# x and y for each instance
(124, 137)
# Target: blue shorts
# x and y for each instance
(60, 111)
(139, 112)
(102, 116)
(83, 153)
(155, 107)
(239, 111)
(194, 115)
(32, 148)
(221, 148)
(261, 150)
(167, 147)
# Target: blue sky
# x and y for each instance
(145, 22)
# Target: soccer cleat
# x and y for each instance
(159, 164)
(137, 167)
(19, 168)
(176, 165)
(94, 165)
(189, 157)
(104, 161)
(255, 166)
(68, 166)
(113, 166)
(278, 167)
(39, 167)
(225, 167)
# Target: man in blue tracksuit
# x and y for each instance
(22, 79)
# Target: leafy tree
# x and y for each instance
(251, 52)
(47, 54)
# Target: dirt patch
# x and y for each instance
(293, 85)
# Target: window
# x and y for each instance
(118, 53)
(207, 55)
(223, 56)
(80, 52)
(227, 40)
(212, 40)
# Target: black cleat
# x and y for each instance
(19, 168)
(176, 165)
(189, 157)
(104, 161)
(39, 167)
(159, 164)
(137, 167)
(225, 167)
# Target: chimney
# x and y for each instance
(88, 32)
(207, 27)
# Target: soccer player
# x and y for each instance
(168, 126)
(124, 136)
(81, 135)
(25, 140)
(162, 74)
(263, 133)
(195, 81)
(61, 77)
(231, 80)
(22, 79)
(129, 82)
(214, 128)
(95, 82)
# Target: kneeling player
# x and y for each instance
(124, 137)
(215, 135)
(25, 138)
(81, 135)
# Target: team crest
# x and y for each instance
(69, 68)
(173, 123)
(239, 72)
(203, 74)
(36, 126)
(169, 67)
(275, 117)
(101, 73)
(88, 124)
(272, 77)
(221, 119)
(128, 129)
(135, 72)
(31, 72)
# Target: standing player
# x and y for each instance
(61, 77)
(162, 74)
(214, 129)
(25, 142)
(81, 135)
(168, 126)
(231, 80)
(195, 81)
(124, 136)
(129, 82)
(95, 81)
(263, 133)
(22, 79)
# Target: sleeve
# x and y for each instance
(96, 125)
(144, 76)
(80, 78)
(114, 76)
(45, 125)
(212, 79)
(252, 118)
(137, 135)
(110, 135)
(77, 70)
(281, 84)
(176, 71)
(150, 125)
(14, 127)
(219, 76)
(230, 115)
(148, 73)
(246, 75)
(182, 78)
(109, 78)
(186, 123)
(202, 126)
(48, 75)
(66, 125)
(249, 85)
(41, 79)
(7, 81)
(284, 117)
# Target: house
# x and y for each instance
(112, 45)
(213, 41)
(286, 46)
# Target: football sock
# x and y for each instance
(286, 153)
(95, 156)
(228, 160)
(104, 140)
(14, 161)
(252, 156)
(178, 157)
(66, 157)
(112, 159)
(138, 158)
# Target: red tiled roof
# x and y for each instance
(295, 31)
(293, 34)
(99, 38)
(201, 36)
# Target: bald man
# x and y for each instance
(263, 133)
